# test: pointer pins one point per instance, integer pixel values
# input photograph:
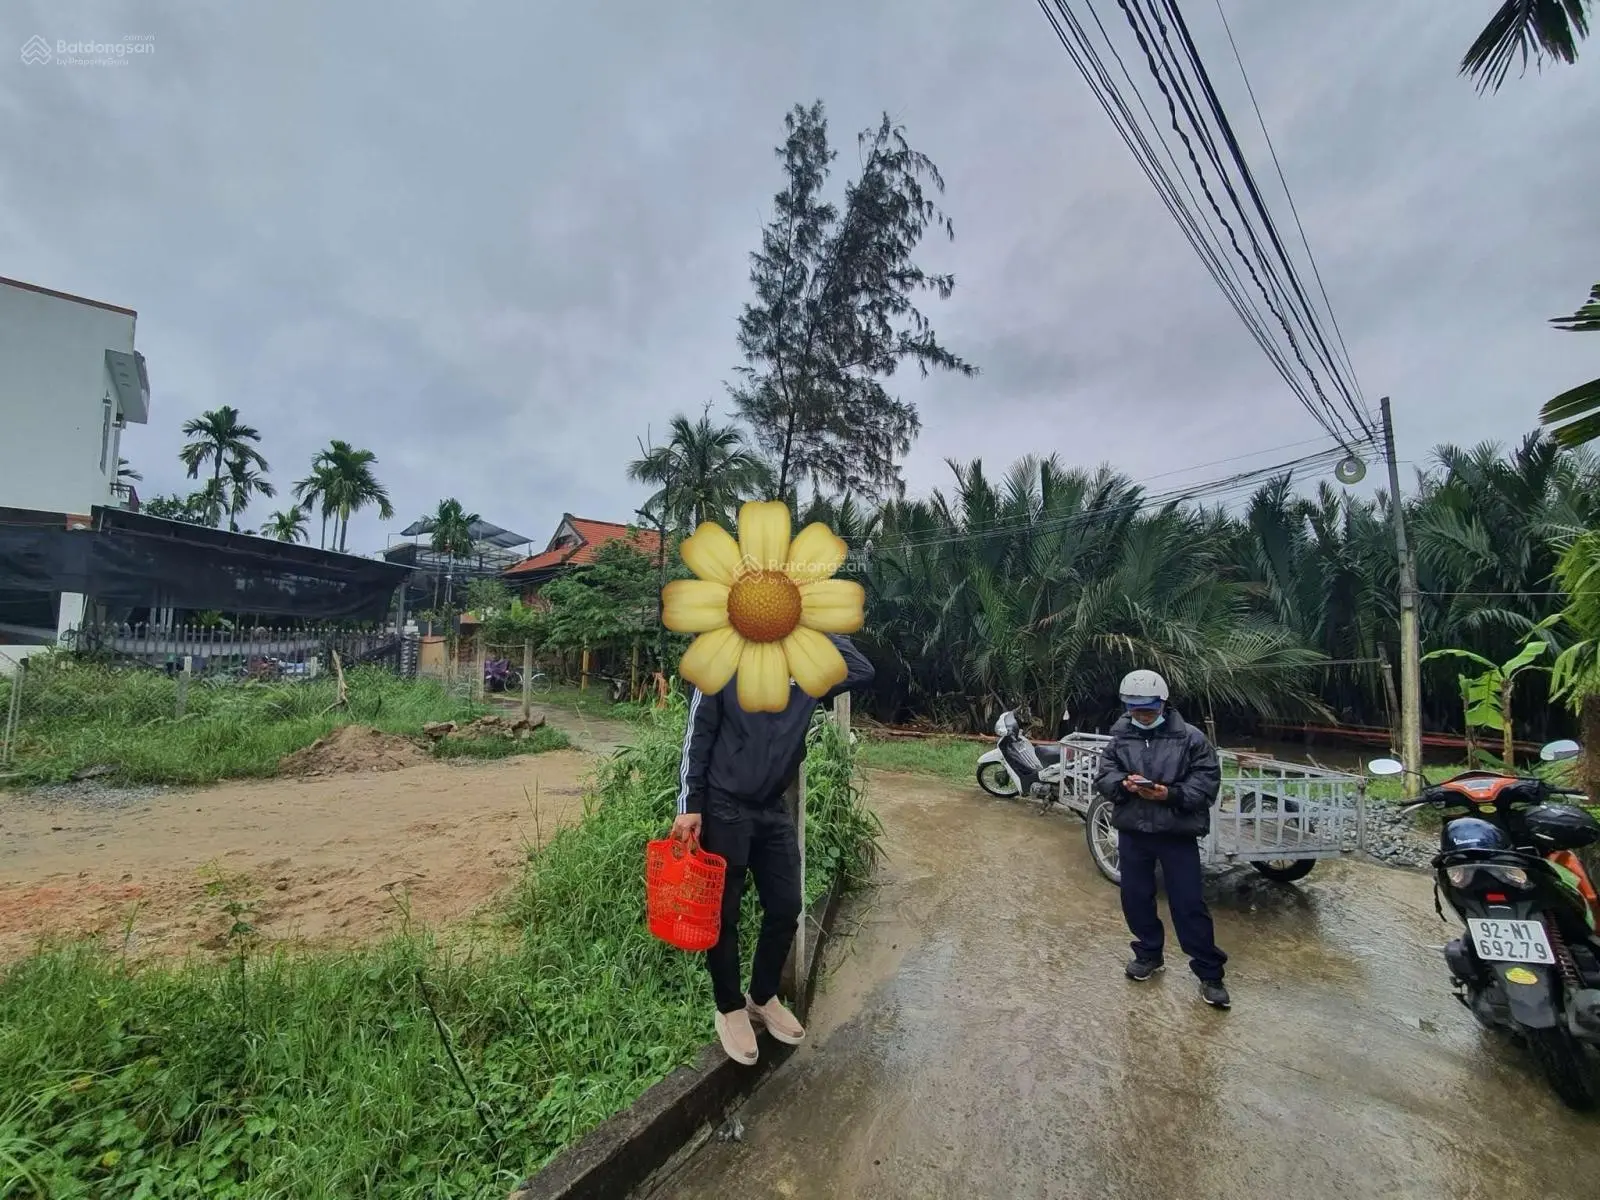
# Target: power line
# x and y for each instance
(1248, 177)
(1221, 490)
(1327, 304)
(1226, 487)
(1189, 103)
(1083, 54)
(1162, 69)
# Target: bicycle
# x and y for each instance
(539, 682)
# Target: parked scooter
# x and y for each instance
(1530, 963)
(500, 676)
(1016, 767)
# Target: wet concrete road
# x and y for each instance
(976, 1038)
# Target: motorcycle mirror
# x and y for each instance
(1386, 766)
(1556, 751)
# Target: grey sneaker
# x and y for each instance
(1214, 994)
(1141, 969)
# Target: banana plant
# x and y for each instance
(1486, 696)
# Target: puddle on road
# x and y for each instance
(976, 1038)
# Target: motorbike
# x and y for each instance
(1017, 767)
(1529, 963)
(500, 676)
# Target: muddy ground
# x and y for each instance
(334, 860)
(976, 1038)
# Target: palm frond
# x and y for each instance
(1525, 29)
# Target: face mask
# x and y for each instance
(1145, 721)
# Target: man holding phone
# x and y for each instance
(1162, 776)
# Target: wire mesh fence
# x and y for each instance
(106, 681)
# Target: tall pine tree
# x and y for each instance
(833, 316)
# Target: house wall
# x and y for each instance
(59, 416)
(58, 409)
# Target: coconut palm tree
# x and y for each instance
(1047, 586)
(286, 526)
(452, 529)
(451, 536)
(243, 485)
(703, 472)
(125, 471)
(312, 493)
(1579, 407)
(218, 437)
(342, 483)
(1537, 29)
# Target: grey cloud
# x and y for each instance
(496, 242)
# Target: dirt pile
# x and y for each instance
(354, 748)
(520, 728)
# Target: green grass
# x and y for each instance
(1393, 789)
(272, 1077)
(949, 758)
(596, 702)
(80, 715)
(956, 760)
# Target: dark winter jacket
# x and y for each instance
(1174, 753)
(745, 759)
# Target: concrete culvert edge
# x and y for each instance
(646, 1141)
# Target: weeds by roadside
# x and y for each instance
(954, 759)
(83, 716)
(413, 1069)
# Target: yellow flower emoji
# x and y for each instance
(761, 606)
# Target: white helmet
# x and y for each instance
(1142, 689)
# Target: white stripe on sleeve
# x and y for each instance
(683, 766)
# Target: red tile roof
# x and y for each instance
(592, 535)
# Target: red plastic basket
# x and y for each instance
(683, 893)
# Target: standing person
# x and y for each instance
(735, 769)
(1161, 776)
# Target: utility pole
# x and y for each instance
(1410, 640)
(661, 572)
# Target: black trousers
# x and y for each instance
(761, 842)
(1138, 855)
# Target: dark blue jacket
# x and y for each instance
(745, 759)
(1174, 753)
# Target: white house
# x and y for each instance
(70, 381)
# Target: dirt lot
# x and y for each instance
(329, 860)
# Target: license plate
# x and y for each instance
(1510, 941)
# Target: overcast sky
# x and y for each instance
(496, 242)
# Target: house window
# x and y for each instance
(105, 434)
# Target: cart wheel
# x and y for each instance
(1101, 835)
(993, 778)
(1285, 870)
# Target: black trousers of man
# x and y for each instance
(1138, 855)
(761, 842)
